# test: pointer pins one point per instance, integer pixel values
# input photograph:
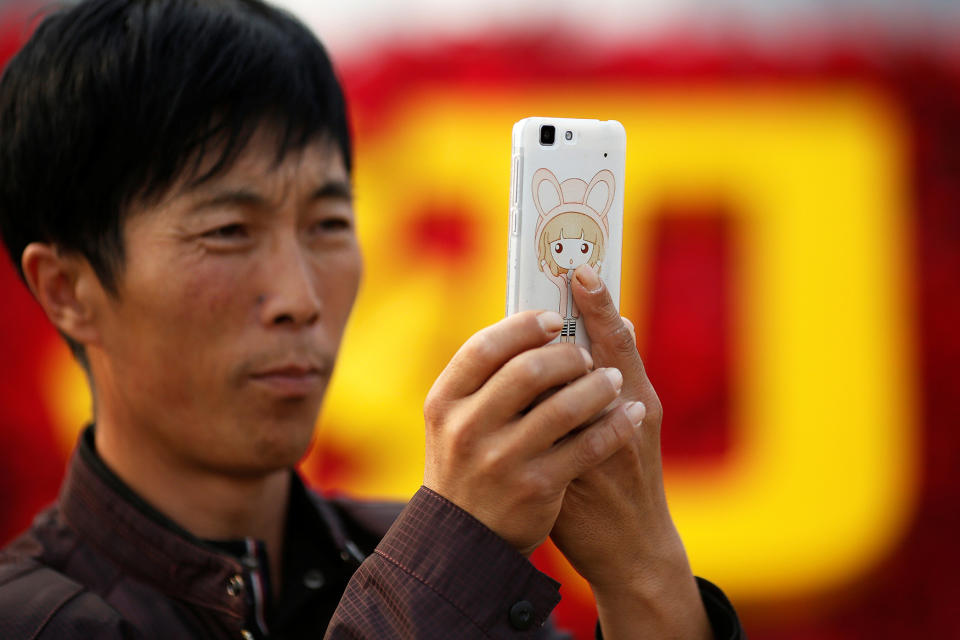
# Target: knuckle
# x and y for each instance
(434, 414)
(602, 439)
(494, 461)
(620, 428)
(562, 413)
(527, 368)
(532, 367)
(653, 404)
(622, 339)
(460, 437)
(535, 485)
(654, 411)
(431, 408)
(592, 447)
(461, 434)
(480, 346)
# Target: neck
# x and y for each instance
(210, 505)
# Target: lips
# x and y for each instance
(289, 381)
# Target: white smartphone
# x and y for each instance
(566, 209)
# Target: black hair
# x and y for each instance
(111, 101)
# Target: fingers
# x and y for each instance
(569, 408)
(590, 447)
(612, 339)
(529, 376)
(490, 348)
(600, 315)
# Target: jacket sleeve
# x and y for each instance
(723, 618)
(440, 573)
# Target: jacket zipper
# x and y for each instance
(258, 584)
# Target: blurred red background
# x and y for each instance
(715, 127)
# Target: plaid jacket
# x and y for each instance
(101, 563)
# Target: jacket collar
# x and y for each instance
(142, 541)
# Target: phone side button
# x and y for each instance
(517, 177)
(514, 221)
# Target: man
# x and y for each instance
(175, 190)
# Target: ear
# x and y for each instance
(66, 287)
(600, 199)
(551, 196)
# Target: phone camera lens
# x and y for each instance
(548, 134)
(568, 135)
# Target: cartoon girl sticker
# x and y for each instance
(571, 230)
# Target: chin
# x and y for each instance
(284, 447)
(268, 445)
(264, 460)
(263, 437)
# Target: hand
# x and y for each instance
(492, 454)
(614, 526)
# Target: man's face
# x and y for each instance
(232, 302)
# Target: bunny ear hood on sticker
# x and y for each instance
(552, 197)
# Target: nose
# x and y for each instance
(292, 297)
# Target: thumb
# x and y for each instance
(611, 339)
(604, 325)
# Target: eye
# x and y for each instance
(227, 232)
(333, 224)
(584, 248)
(558, 248)
(330, 225)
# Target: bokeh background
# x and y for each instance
(791, 262)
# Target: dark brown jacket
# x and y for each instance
(102, 563)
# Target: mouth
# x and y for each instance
(290, 381)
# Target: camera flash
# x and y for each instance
(568, 135)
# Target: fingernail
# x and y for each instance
(588, 278)
(614, 376)
(636, 412)
(551, 321)
(587, 357)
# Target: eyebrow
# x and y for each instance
(332, 190)
(335, 189)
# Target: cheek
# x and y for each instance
(195, 309)
(214, 291)
(341, 280)
(171, 327)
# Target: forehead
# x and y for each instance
(259, 164)
(257, 167)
